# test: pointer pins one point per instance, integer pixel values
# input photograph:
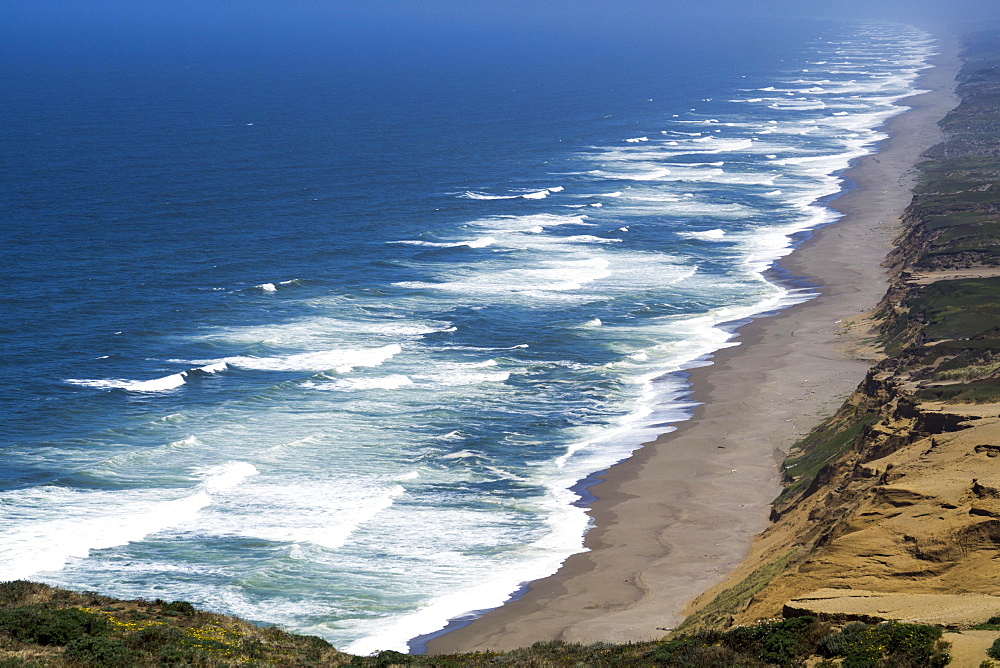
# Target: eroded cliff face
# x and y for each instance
(899, 491)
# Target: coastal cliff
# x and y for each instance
(891, 507)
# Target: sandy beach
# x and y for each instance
(672, 520)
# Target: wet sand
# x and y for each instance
(673, 519)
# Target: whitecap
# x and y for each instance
(458, 378)
(707, 235)
(590, 239)
(468, 194)
(461, 454)
(481, 242)
(538, 194)
(215, 367)
(170, 382)
(341, 360)
(393, 382)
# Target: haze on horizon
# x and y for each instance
(36, 26)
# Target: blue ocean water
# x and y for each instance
(320, 323)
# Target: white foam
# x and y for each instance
(707, 235)
(461, 454)
(550, 276)
(501, 224)
(538, 194)
(460, 378)
(313, 512)
(393, 382)
(527, 194)
(223, 477)
(70, 524)
(341, 361)
(589, 239)
(267, 287)
(468, 194)
(481, 242)
(215, 367)
(464, 374)
(163, 384)
(565, 525)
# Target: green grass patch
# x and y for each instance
(968, 372)
(977, 392)
(960, 309)
(824, 445)
(717, 613)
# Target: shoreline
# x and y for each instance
(676, 517)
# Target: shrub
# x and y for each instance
(385, 658)
(994, 651)
(17, 662)
(50, 627)
(153, 638)
(887, 644)
(991, 624)
(104, 652)
(181, 656)
(781, 643)
(182, 607)
(698, 652)
(18, 591)
(777, 643)
(839, 644)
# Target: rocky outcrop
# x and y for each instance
(859, 605)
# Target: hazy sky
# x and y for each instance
(576, 14)
(32, 31)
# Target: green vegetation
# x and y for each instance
(825, 444)
(991, 624)
(994, 651)
(887, 644)
(718, 613)
(47, 626)
(956, 309)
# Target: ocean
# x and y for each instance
(321, 323)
